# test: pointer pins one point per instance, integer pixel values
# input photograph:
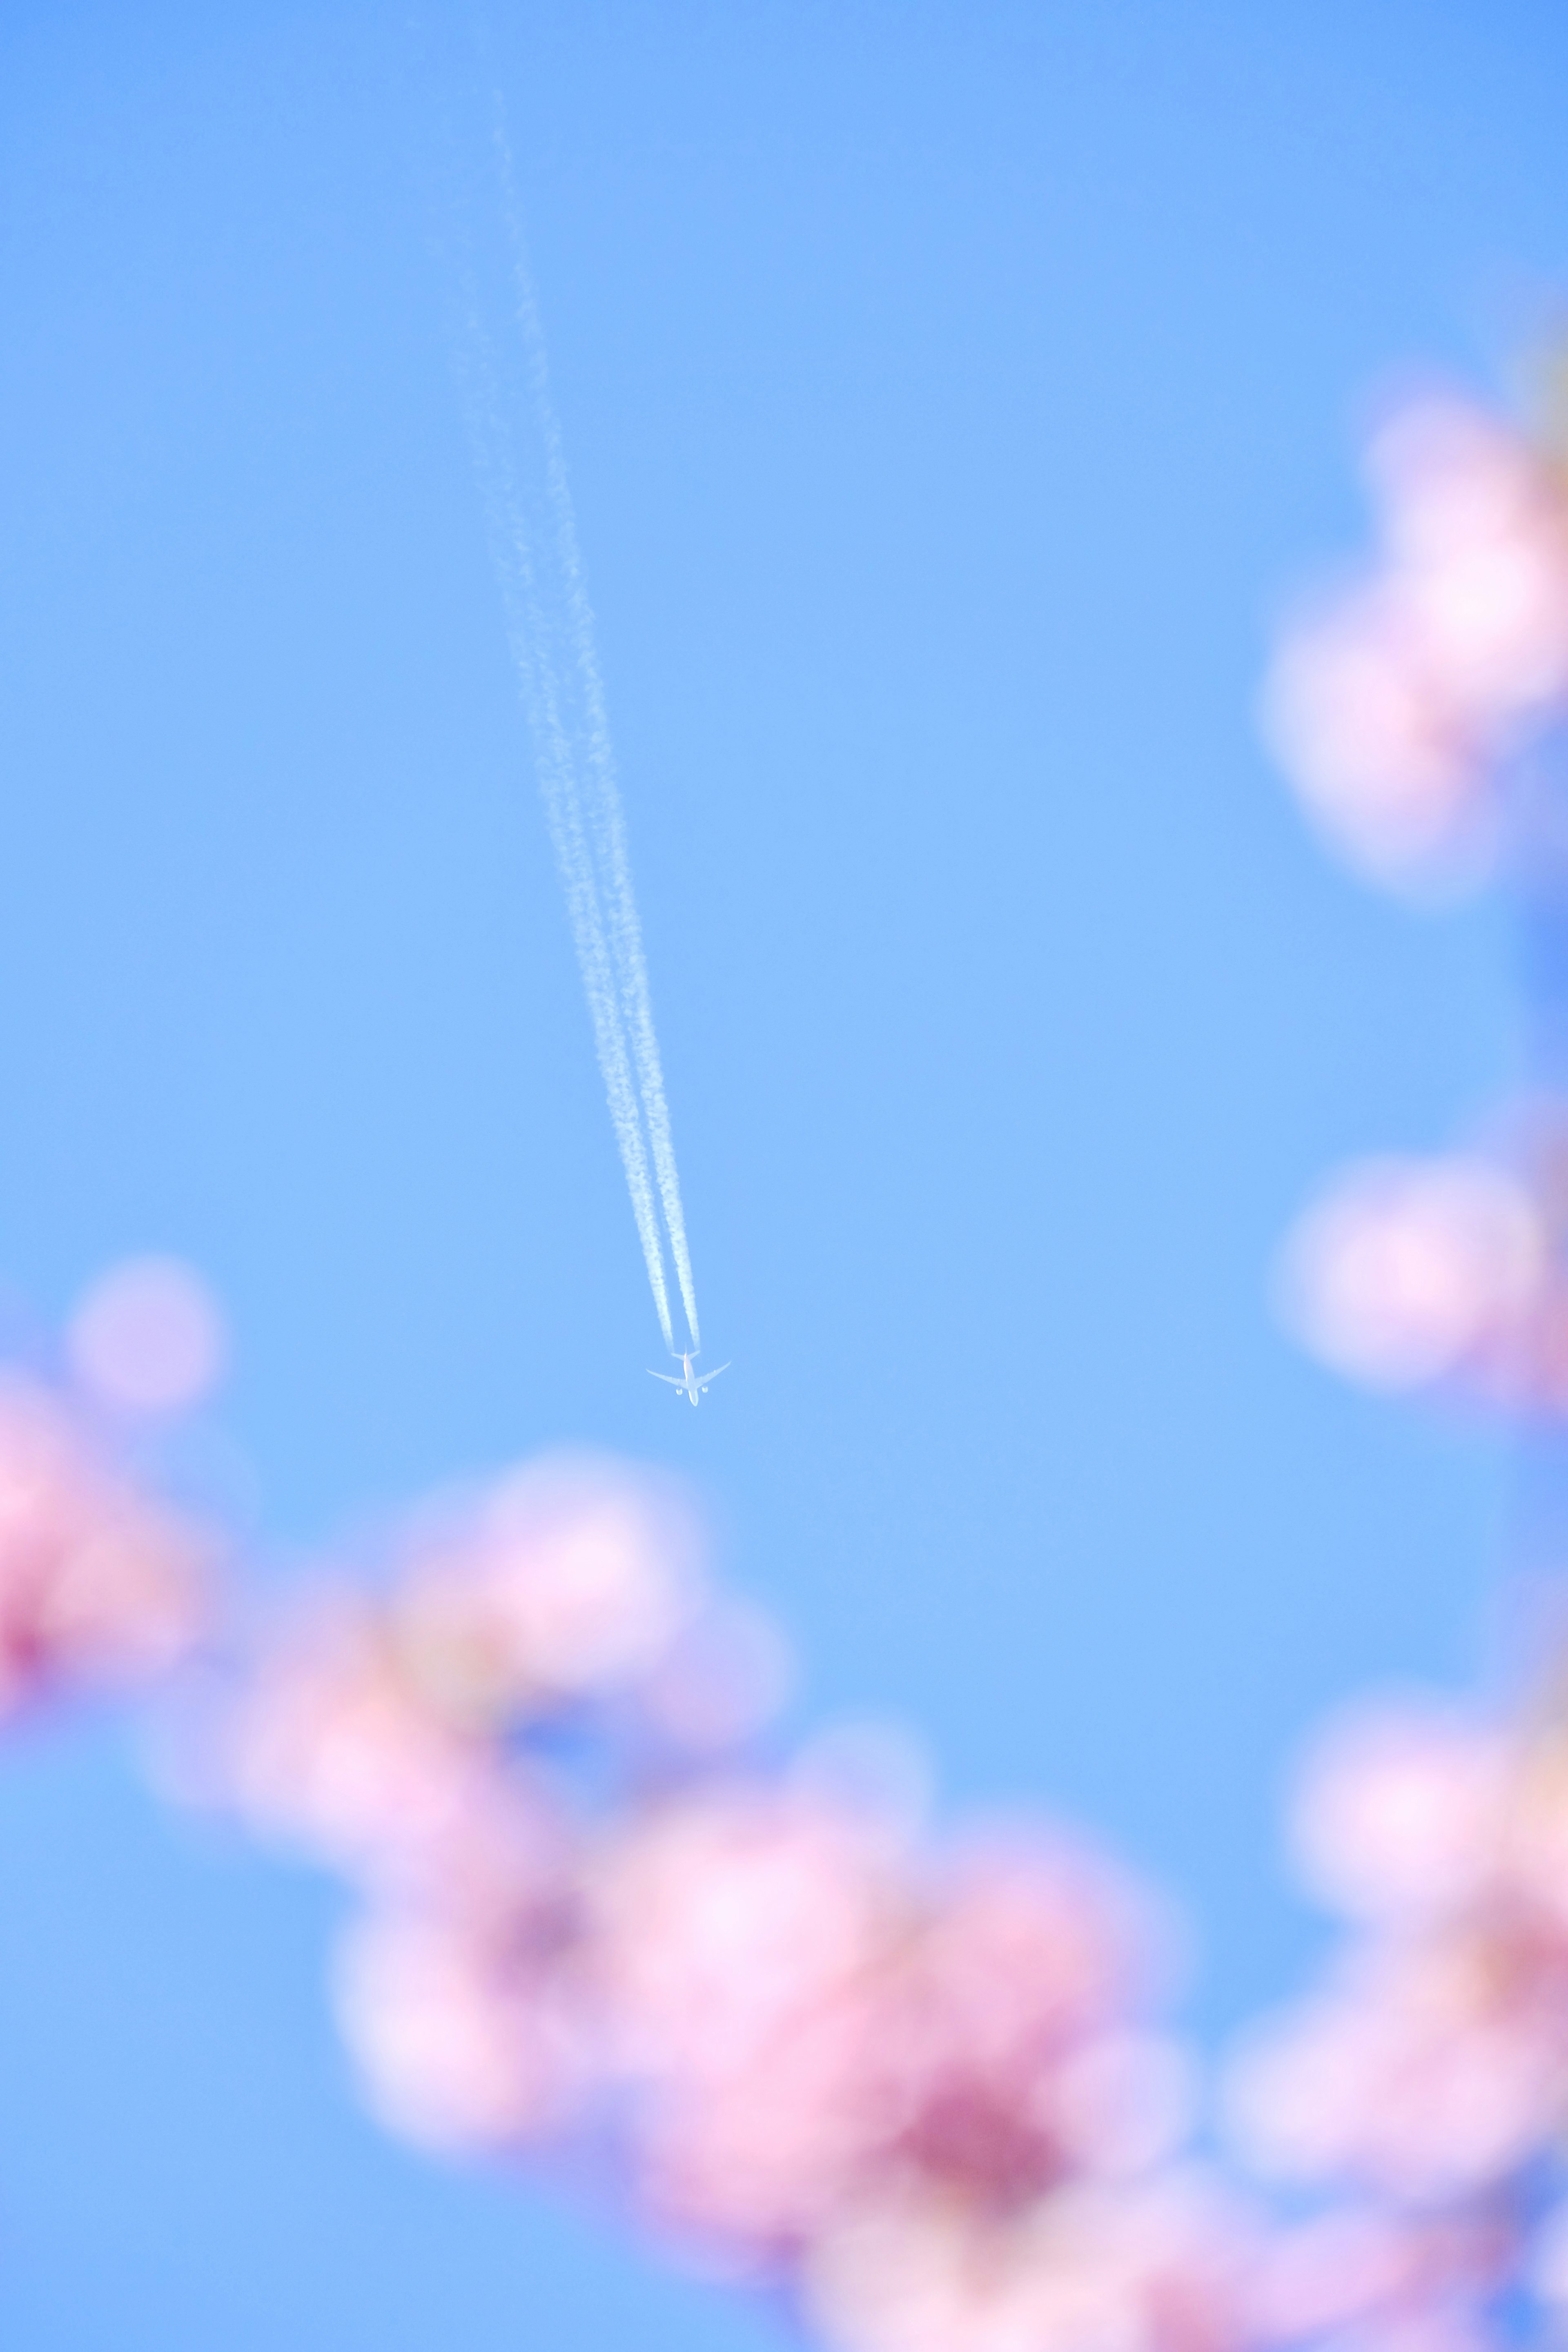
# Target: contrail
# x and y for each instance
(532, 533)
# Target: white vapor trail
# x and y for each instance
(549, 630)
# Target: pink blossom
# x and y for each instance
(809, 2013)
(741, 1940)
(1007, 2031)
(368, 1729)
(99, 1582)
(147, 1338)
(1477, 530)
(1160, 2268)
(335, 1748)
(466, 2039)
(1363, 2274)
(1392, 704)
(1403, 1810)
(564, 1579)
(1409, 1271)
(1432, 2065)
(1357, 711)
(1431, 2070)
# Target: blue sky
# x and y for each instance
(952, 394)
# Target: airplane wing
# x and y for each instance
(667, 1376)
(712, 1375)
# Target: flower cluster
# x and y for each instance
(1398, 703)
(1403, 709)
(917, 2083)
(1426, 2077)
(913, 2082)
(1430, 2070)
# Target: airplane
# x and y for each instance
(691, 1383)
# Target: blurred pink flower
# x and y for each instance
(1402, 1812)
(1432, 2066)
(147, 1338)
(1357, 713)
(810, 2010)
(1409, 1271)
(741, 1939)
(1360, 2274)
(1009, 2032)
(1431, 2069)
(1477, 530)
(369, 1730)
(466, 2040)
(565, 1579)
(1392, 705)
(99, 1583)
(332, 1746)
(1158, 2268)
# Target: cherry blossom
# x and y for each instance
(1161, 2268)
(100, 1583)
(1443, 1272)
(1397, 704)
(147, 1339)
